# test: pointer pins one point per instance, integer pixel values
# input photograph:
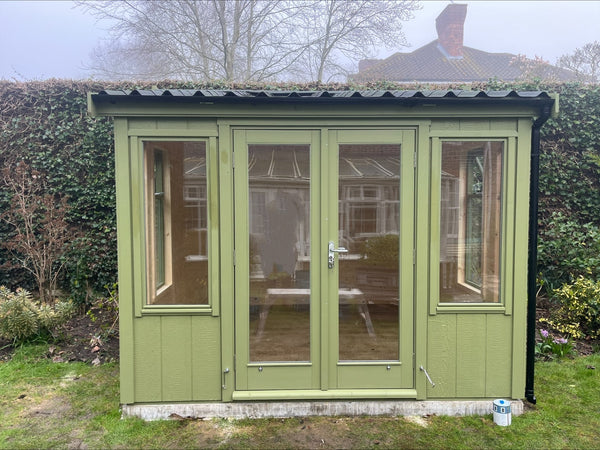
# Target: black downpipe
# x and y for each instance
(532, 258)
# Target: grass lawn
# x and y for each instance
(75, 405)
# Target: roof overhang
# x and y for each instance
(151, 102)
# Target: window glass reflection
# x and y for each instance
(369, 215)
(176, 222)
(470, 221)
(279, 240)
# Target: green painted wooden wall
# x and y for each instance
(469, 352)
(474, 352)
(177, 358)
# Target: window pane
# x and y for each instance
(177, 222)
(279, 260)
(470, 222)
(369, 226)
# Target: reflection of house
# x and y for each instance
(369, 197)
(447, 60)
(279, 179)
(279, 202)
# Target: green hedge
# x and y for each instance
(46, 124)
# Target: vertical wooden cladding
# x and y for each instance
(165, 357)
(177, 358)
(470, 355)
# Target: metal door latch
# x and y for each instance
(427, 375)
(332, 252)
(225, 372)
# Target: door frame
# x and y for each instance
(277, 375)
(340, 372)
(326, 367)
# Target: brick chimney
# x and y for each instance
(450, 29)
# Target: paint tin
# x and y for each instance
(502, 414)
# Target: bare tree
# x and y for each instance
(534, 69)
(584, 61)
(243, 40)
(38, 221)
(340, 32)
(196, 39)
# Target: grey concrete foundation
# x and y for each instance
(256, 410)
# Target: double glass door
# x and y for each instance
(324, 259)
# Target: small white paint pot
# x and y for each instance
(502, 414)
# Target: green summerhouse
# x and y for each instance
(325, 252)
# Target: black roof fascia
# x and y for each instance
(539, 100)
(320, 97)
(113, 100)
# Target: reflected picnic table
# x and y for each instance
(286, 296)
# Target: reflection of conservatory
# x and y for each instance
(279, 199)
(311, 252)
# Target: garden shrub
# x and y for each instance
(22, 318)
(578, 313)
(382, 250)
(567, 250)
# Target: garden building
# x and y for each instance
(324, 252)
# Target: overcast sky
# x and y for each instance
(45, 39)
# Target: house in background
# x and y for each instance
(446, 59)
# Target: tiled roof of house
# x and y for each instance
(431, 63)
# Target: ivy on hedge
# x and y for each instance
(46, 124)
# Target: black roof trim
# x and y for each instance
(408, 97)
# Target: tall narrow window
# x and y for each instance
(176, 223)
(159, 219)
(470, 225)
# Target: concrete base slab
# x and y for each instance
(257, 410)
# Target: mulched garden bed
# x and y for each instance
(89, 337)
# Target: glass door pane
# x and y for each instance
(369, 214)
(279, 252)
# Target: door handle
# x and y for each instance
(332, 252)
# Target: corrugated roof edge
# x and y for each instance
(110, 102)
(368, 94)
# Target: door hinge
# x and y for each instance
(233, 257)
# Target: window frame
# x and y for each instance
(159, 267)
(143, 306)
(508, 181)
